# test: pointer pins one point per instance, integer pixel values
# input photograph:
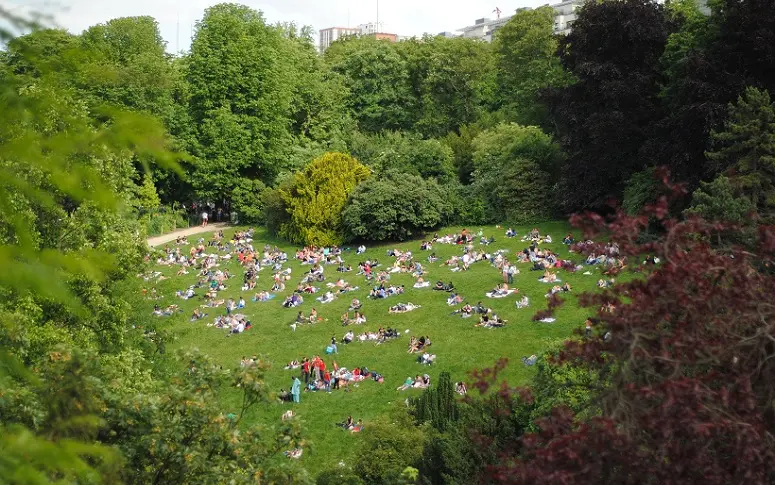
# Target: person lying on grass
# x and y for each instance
(293, 300)
(440, 286)
(197, 315)
(157, 311)
(523, 303)
(501, 290)
(403, 308)
(454, 299)
(421, 283)
(263, 296)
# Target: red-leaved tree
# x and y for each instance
(689, 350)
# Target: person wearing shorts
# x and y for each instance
(204, 219)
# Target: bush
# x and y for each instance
(516, 168)
(397, 206)
(315, 198)
(388, 448)
(246, 199)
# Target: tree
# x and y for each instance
(716, 201)
(513, 172)
(246, 200)
(316, 197)
(745, 149)
(392, 447)
(394, 206)
(526, 64)
(452, 82)
(241, 87)
(604, 118)
(406, 153)
(437, 405)
(377, 79)
(688, 358)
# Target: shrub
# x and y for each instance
(246, 199)
(397, 206)
(515, 170)
(316, 196)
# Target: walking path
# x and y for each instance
(165, 238)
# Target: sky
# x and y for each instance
(402, 17)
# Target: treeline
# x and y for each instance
(527, 128)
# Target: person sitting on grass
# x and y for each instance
(408, 384)
(197, 315)
(355, 304)
(568, 241)
(426, 359)
(313, 317)
(529, 361)
(348, 337)
(461, 389)
(524, 302)
(433, 258)
(464, 312)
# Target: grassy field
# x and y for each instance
(459, 346)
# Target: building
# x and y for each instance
(483, 29)
(565, 15)
(384, 36)
(330, 35)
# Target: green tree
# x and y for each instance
(246, 200)
(437, 405)
(526, 63)
(377, 79)
(716, 201)
(452, 82)
(745, 148)
(394, 206)
(316, 197)
(241, 88)
(391, 446)
(514, 170)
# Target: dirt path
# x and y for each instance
(165, 238)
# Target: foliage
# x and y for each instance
(240, 99)
(247, 200)
(316, 197)
(745, 149)
(437, 405)
(400, 152)
(377, 80)
(526, 64)
(693, 335)
(716, 201)
(395, 206)
(603, 119)
(452, 82)
(642, 188)
(513, 172)
(391, 447)
(462, 145)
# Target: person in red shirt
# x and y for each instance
(305, 368)
(327, 381)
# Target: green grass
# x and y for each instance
(460, 346)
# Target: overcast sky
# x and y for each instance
(403, 17)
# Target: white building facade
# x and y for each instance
(330, 35)
(564, 16)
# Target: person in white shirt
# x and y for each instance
(204, 219)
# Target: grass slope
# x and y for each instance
(460, 346)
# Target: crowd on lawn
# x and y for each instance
(205, 260)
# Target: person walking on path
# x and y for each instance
(204, 219)
(296, 390)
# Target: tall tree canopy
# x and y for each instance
(604, 118)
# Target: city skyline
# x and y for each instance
(177, 18)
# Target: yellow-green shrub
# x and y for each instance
(316, 197)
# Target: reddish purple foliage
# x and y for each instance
(691, 361)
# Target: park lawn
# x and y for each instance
(459, 346)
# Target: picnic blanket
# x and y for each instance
(493, 294)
